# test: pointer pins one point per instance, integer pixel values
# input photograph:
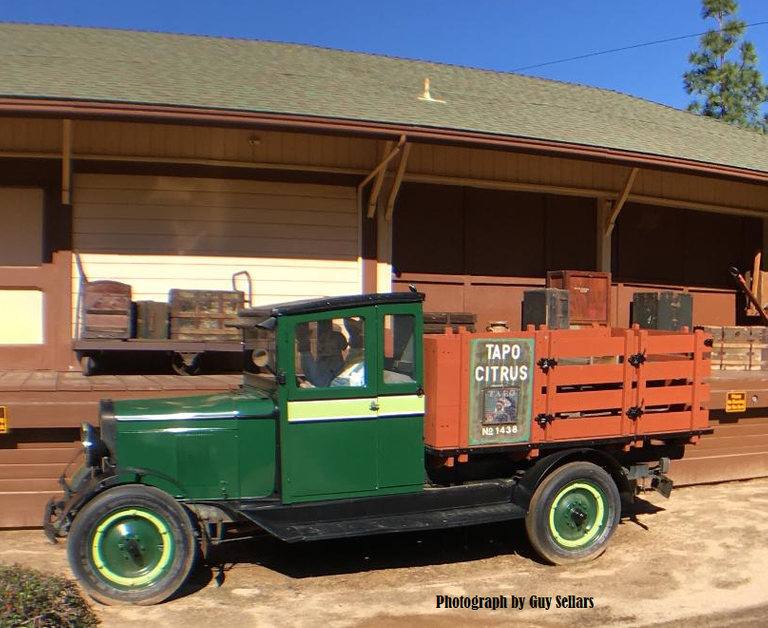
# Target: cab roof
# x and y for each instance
(308, 306)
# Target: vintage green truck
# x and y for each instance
(351, 422)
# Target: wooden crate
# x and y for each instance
(590, 295)
(105, 310)
(741, 349)
(204, 314)
(436, 322)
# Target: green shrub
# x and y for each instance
(32, 599)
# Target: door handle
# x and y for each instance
(374, 405)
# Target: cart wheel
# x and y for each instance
(88, 365)
(186, 363)
(132, 544)
(573, 513)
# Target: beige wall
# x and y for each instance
(21, 244)
(21, 317)
(157, 233)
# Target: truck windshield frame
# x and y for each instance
(260, 340)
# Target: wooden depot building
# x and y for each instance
(170, 161)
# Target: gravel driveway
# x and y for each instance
(700, 558)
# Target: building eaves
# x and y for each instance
(151, 71)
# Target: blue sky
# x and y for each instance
(502, 35)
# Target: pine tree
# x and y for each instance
(729, 88)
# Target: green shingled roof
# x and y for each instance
(243, 75)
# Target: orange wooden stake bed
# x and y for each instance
(533, 390)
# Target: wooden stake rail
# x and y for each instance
(588, 384)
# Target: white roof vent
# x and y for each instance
(426, 95)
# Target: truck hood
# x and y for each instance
(213, 406)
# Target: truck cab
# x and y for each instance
(351, 422)
(346, 375)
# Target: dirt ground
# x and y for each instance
(698, 559)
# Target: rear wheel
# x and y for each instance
(573, 513)
(132, 544)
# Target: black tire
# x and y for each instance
(132, 544)
(573, 513)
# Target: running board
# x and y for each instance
(385, 524)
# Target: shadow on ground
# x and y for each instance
(373, 553)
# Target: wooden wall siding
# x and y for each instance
(21, 226)
(487, 247)
(157, 233)
(30, 135)
(491, 232)
(513, 167)
(235, 145)
(356, 155)
(670, 245)
(737, 450)
(583, 177)
(697, 189)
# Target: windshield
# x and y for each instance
(260, 350)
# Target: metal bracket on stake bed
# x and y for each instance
(635, 412)
(546, 363)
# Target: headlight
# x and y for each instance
(93, 447)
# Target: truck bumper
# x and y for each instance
(59, 512)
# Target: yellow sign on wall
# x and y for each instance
(4, 427)
(736, 402)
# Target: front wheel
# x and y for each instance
(132, 544)
(573, 513)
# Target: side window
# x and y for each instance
(399, 366)
(331, 352)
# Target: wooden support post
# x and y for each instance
(620, 202)
(373, 199)
(66, 162)
(375, 173)
(398, 181)
(603, 253)
(764, 257)
(384, 254)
